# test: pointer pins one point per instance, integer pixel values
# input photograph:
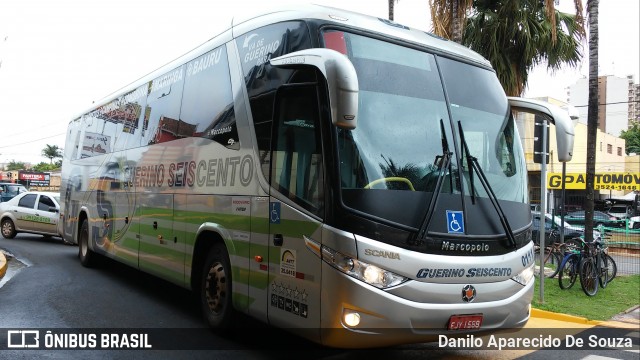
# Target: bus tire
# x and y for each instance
(86, 255)
(215, 288)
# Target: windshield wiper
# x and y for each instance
(473, 165)
(445, 161)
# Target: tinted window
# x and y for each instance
(28, 201)
(207, 102)
(125, 119)
(45, 203)
(15, 189)
(92, 142)
(162, 114)
(256, 48)
(297, 154)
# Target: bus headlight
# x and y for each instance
(525, 276)
(371, 274)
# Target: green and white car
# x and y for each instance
(34, 212)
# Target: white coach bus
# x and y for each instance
(358, 181)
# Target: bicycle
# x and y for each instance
(589, 269)
(552, 256)
(596, 268)
(570, 266)
(607, 267)
(551, 262)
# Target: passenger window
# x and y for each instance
(296, 166)
(207, 102)
(45, 203)
(28, 201)
(125, 119)
(162, 113)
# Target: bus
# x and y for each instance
(342, 176)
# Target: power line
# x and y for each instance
(613, 103)
(32, 141)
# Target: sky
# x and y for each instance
(58, 56)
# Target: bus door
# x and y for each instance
(295, 208)
(161, 245)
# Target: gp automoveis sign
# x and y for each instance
(606, 181)
(218, 172)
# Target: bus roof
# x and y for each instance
(251, 20)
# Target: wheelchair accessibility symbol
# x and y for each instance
(274, 213)
(455, 222)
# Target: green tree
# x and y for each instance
(632, 138)
(51, 152)
(514, 35)
(15, 165)
(43, 166)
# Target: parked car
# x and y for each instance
(552, 227)
(35, 212)
(621, 211)
(634, 222)
(10, 190)
(570, 208)
(599, 218)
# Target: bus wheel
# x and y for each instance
(215, 288)
(87, 257)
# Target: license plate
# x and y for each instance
(465, 322)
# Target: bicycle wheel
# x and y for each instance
(551, 263)
(613, 268)
(568, 272)
(588, 276)
(603, 269)
(574, 245)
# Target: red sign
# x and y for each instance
(34, 178)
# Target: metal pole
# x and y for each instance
(543, 203)
(564, 173)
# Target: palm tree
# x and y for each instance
(592, 115)
(392, 4)
(448, 18)
(51, 152)
(516, 35)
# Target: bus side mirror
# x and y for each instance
(342, 81)
(561, 118)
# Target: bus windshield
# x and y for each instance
(411, 105)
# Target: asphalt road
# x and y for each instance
(53, 292)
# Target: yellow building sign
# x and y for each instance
(607, 181)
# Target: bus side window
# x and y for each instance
(296, 166)
(162, 120)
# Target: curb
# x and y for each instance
(543, 314)
(563, 317)
(3, 265)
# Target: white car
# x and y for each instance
(634, 222)
(34, 212)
